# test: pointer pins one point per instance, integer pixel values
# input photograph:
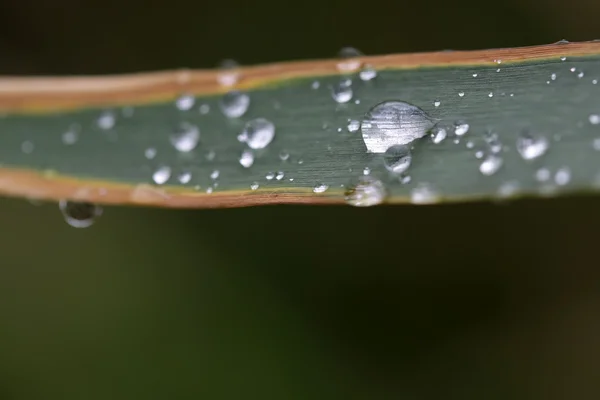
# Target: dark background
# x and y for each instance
(481, 301)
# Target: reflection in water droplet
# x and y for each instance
(531, 146)
(438, 135)
(366, 191)
(150, 153)
(594, 119)
(320, 188)
(490, 165)
(234, 104)
(562, 176)
(247, 158)
(353, 126)
(184, 177)
(460, 128)
(79, 214)
(106, 120)
(349, 59)
(185, 137)
(397, 159)
(161, 175)
(393, 122)
(258, 133)
(342, 92)
(424, 193)
(185, 102)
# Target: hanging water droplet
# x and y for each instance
(254, 185)
(368, 73)
(320, 188)
(79, 214)
(234, 104)
(342, 92)
(258, 133)
(562, 176)
(397, 159)
(185, 102)
(366, 191)
(460, 128)
(150, 153)
(438, 135)
(27, 147)
(594, 119)
(185, 137)
(436, 103)
(161, 175)
(247, 158)
(106, 120)
(209, 190)
(531, 146)
(280, 175)
(542, 174)
(350, 61)
(393, 122)
(71, 136)
(424, 193)
(229, 74)
(490, 165)
(184, 177)
(353, 126)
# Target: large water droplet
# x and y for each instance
(350, 61)
(258, 133)
(247, 158)
(79, 214)
(393, 123)
(234, 104)
(161, 175)
(366, 191)
(490, 165)
(531, 146)
(185, 137)
(397, 159)
(342, 92)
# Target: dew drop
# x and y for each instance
(474, 75)
(562, 176)
(184, 177)
(594, 119)
(491, 94)
(531, 146)
(79, 214)
(234, 104)
(350, 61)
(438, 135)
(247, 158)
(580, 75)
(393, 122)
(366, 191)
(161, 175)
(461, 94)
(106, 120)
(596, 144)
(397, 159)
(368, 73)
(215, 174)
(353, 126)
(320, 188)
(342, 92)
(254, 185)
(470, 144)
(270, 176)
(424, 193)
(436, 103)
(150, 153)
(185, 137)
(490, 165)
(367, 171)
(461, 128)
(280, 175)
(258, 133)
(553, 77)
(185, 102)
(563, 59)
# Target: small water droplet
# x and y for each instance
(353, 126)
(580, 75)
(79, 214)
(368, 73)
(490, 165)
(234, 104)
(366, 171)
(247, 158)
(553, 77)
(479, 154)
(461, 128)
(161, 175)
(204, 109)
(71, 136)
(315, 85)
(320, 188)
(438, 135)
(393, 122)
(461, 94)
(185, 137)
(397, 159)
(254, 185)
(594, 119)
(542, 174)
(562, 176)
(284, 155)
(424, 193)
(258, 133)
(209, 190)
(280, 175)
(572, 69)
(27, 147)
(470, 144)
(508, 189)
(491, 94)
(531, 146)
(594, 81)
(185, 102)
(474, 75)
(106, 120)
(270, 176)
(563, 59)
(350, 61)
(405, 179)
(150, 153)
(342, 92)
(229, 74)
(596, 144)
(366, 191)
(215, 174)
(184, 177)
(436, 103)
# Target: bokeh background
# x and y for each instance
(481, 301)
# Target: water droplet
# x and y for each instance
(397, 159)
(542, 174)
(405, 179)
(491, 94)
(350, 59)
(461, 128)
(474, 75)
(315, 85)
(27, 147)
(553, 77)
(393, 122)
(150, 153)
(270, 176)
(280, 175)
(229, 74)
(185, 137)
(210, 156)
(366, 191)
(247, 158)
(594, 81)
(424, 193)
(234, 104)
(367, 171)
(184, 177)
(562, 176)
(438, 135)
(490, 165)
(508, 189)
(531, 146)
(71, 136)
(368, 73)
(596, 144)
(342, 92)
(209, 190)
(161, 175)
(79, 214)
(353, 126)
(563, 59)
(204, 109)
(580, 75)
(106, 120)
(461, 94)
(436, 103)
(214, 175)
(320, 188)
(470, 144)
(284, 156)
(572, 69)
(594, 119)
(185, 102)
(258, 133)
(254, 185)
(479, 154)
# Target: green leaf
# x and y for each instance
(94, 138)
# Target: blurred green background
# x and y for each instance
(481, 301)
